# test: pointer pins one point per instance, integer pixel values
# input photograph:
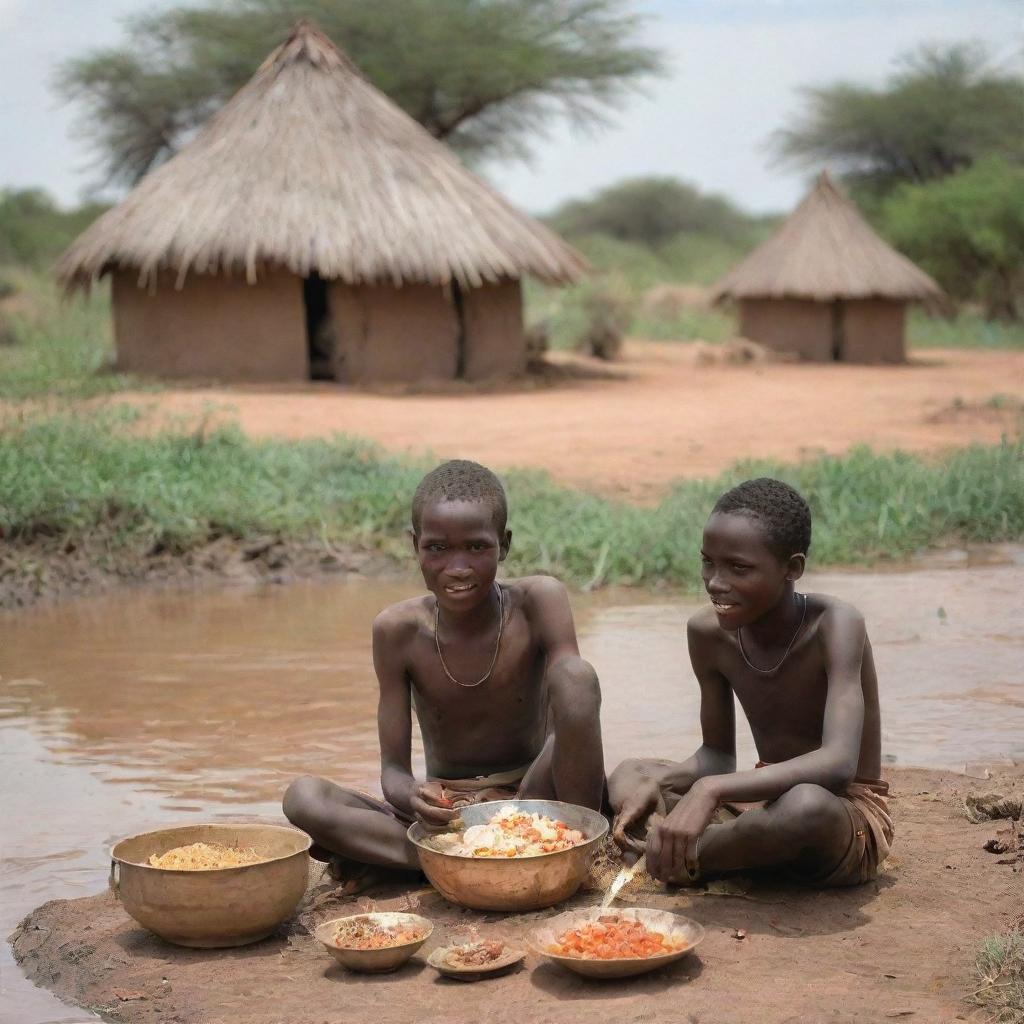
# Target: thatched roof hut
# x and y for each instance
(826, 286)
(311, 220)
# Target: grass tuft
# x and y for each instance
(999, 972)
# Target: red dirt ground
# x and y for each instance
(901, 947)
(655, 417)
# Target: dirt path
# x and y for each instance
(901, 947)
(659, 416)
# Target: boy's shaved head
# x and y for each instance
(779, 508)
(461, 480)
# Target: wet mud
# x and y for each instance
(901, 946)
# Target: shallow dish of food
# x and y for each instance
(211, 885)
(374, 943)
(473, 961)
(601, 943)
(511, 855)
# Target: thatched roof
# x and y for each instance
(825, 250)
(310, 167)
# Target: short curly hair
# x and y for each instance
(461, 480)
(782, 511)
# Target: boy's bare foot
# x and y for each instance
(355, 878)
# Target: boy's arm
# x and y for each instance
(574, 695)
(394, 728)
(832, 765)
(550, 615)
(635, 789)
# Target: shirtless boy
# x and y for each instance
(802, 669)
(505, 703)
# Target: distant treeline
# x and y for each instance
(34, 230)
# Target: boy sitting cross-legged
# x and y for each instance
(802, 669)
(505, 704)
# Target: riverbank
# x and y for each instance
(90, 500)
(904, 945)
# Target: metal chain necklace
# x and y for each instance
(776, 667)
(497, 643)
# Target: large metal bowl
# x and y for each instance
(676, 925)
(219, 907)
(513, 883)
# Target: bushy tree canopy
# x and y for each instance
(967, 231)
(940, 111)
(34, 230)
(651, 211)
(484, 75)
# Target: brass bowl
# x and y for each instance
(676, 925)
(220, 906)
(513, 883)
(373, 961)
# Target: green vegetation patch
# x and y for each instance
(55, 345)
(93, 477)
(1000, 977)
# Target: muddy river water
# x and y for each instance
(124, 713)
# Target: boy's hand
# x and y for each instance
(642, 802)
(672, 841)
(431, 806)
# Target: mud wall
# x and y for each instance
(212, 327)
(873, 331)
(789, 325)
(495, 342)
(393, 334)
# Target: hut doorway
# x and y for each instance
(320, 333)
(838, 332)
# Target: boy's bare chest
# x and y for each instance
(478, 669)
(792, 698)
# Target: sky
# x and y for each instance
(735, 70)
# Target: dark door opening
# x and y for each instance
(838, 330)
(320, 335)
(460, 337)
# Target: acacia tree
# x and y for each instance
(940, 111)
(483, 75)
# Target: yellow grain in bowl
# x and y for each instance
(205, 857)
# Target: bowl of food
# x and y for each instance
(511, 855)
(600, 943)
(472, 961)
(374, 943)
(211, 885)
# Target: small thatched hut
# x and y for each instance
(312, 228)
(826, 286)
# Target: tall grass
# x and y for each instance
(627, 270)
(55, 345)
(89, 477)
(968, 329)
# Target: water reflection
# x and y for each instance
(128, 712)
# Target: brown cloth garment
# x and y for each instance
(871, 834)
(461, 792)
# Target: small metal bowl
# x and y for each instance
(513, 883)
(501, 965)
(676, 925)
(374, 961)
